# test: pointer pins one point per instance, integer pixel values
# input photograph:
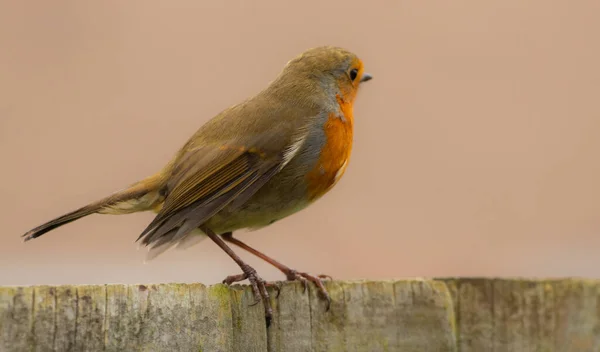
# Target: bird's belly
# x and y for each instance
(277, 199)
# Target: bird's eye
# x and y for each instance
(353, 74)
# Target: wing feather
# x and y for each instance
(210, 174)
(194, 200)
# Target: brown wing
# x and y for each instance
(212, 170)
(204, 181)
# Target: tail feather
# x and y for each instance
(61, 220)
(141, 196)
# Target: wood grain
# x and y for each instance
(451, 314)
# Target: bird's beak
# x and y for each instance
(366, 77)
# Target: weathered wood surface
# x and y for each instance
(409, 315)
(526, 315)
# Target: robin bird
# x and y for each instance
(249, 166)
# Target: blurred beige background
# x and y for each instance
(476, 149)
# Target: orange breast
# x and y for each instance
(334, 154)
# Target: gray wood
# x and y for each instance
(527, 315)
(409, 315)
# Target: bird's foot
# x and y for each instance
(304, 278)
(259, 288)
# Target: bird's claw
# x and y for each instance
(304, 278)
(276, 285)
(259, 289)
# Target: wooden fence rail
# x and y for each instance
(471, 315)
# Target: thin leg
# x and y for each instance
(290, 274)
(259, 286)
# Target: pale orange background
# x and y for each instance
(476, 150)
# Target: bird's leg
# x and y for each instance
(290, 274)
(259, 286)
